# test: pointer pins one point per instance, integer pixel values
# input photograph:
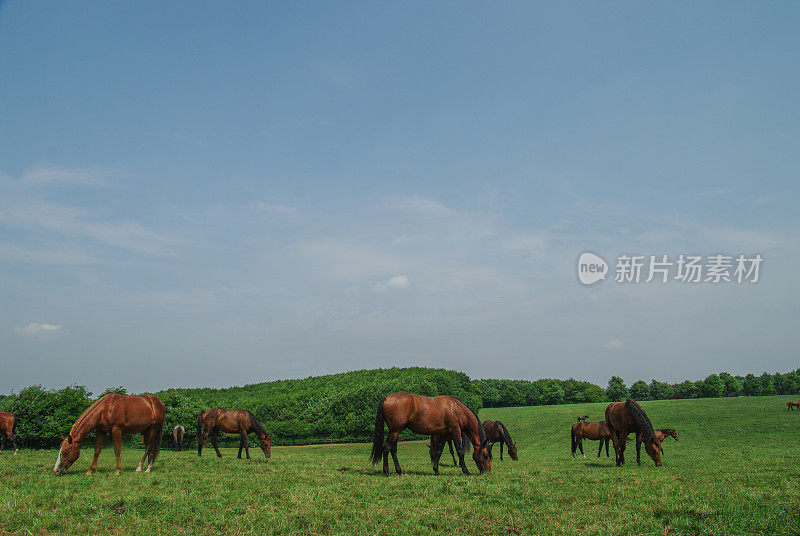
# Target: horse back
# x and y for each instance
(132, 413)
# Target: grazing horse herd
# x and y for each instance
(444, 418)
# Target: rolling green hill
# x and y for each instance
(735, 470)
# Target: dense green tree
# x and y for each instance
(712, 386)
(751, 386)
(731, 385)
(640, 390)
(552, 393)
(616, 389)
(661, 391)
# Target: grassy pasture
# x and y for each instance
(735, 470)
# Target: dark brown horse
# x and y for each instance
(584, 418)
(497, 431)
(590, 430)
(177, 437)
(442, 416)
(795, 404)
(233, 421)
(434, 444)
(115, 414)
(623, 418)
(8, 425)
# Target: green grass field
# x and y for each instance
(735, 470)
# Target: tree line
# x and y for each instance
(341, 407)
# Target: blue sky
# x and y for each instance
(214, 194)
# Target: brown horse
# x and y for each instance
(590, 430)
(233, 421)
(115, 414)
(177, 437)
(442, 416)
(663, 433)
(497, 431)
(8, 425)
(795, 404)
(434, 444)
(623, 418)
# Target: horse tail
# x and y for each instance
(200, 427)
(640, 418)
(377, 435)
(574, 442)
(155, 447)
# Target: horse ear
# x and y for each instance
(69, 439)
(62, 438)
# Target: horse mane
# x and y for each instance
(257, 428)
(506, 435)
(481, 430)
(88, 410)
(665, 430)
(640, 418)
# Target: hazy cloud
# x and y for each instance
(36, 330)
(397, 283)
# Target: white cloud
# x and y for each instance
(420, 205)
(67, 221)
(613, 345)
(36, 330)
(395, 284)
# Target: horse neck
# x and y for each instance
(85, 424)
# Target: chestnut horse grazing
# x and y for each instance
(795, 404)
(8, 425)
(623, 418)
(177, 437)
(234, 421)
(115, 414)
(496, 431)
(590, 430)
(442, 416)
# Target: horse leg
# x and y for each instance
(241, 445)
(600, 450)
(452, 455)
(580, 445)
(638, 448)
(607, 440)
(501, 450)
(615, 439)
(623, 440)
(460, 448)
(246, 445)
(147, 441)
(100, 436)
(392, 440)
(116, 438)
(438, 454)
(215, 442)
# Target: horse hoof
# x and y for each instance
(147, 470)
(584, 456)
(116, 472)
(89, 472)
(139, 469)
